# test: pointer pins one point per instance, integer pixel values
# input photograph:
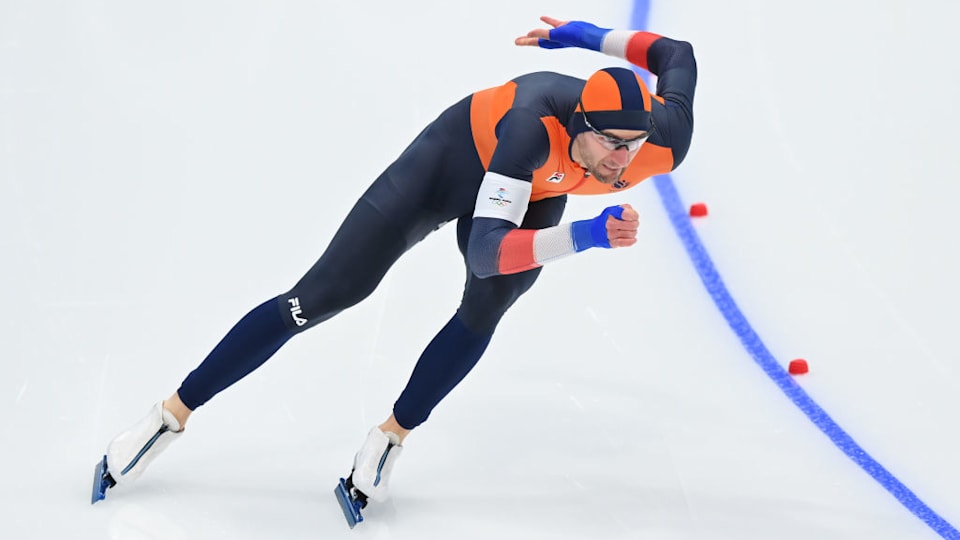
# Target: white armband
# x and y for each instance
(502, 197)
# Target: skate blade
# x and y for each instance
(350, 506)
(102, 481)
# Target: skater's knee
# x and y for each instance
(486, 301)
(304, 307)
(325, 291)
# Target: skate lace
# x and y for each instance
(383, 461)
(136, 459)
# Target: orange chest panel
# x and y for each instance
(559, 174)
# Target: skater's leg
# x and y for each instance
(366, 245)
(448, 358)
(250, 343)
(455, 350)
(443, 364)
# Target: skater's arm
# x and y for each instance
(672, 61)
(652, 52)
(517, 250)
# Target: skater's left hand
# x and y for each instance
(565, 34)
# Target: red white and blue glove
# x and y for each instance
(590, 233)
(630, 45)
(575, 34)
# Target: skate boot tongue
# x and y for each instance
(392, 437)
(170, 420)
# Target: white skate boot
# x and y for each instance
(133, 450)
(374, 462)
(130, 452)
(370, 478)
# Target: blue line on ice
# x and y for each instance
(751, 342)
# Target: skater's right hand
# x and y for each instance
(615, 227)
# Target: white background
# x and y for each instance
(166, 166)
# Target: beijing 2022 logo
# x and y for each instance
(500, 198)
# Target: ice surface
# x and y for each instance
(164, 167)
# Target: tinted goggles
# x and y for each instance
(612, 143)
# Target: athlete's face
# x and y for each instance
(605, 155)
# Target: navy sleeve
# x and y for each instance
(675, 66)
(522, 145)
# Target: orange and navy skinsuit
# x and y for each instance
(522, 131)
(519, 131)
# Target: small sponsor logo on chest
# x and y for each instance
(556, 178)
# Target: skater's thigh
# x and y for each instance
(380, 227)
